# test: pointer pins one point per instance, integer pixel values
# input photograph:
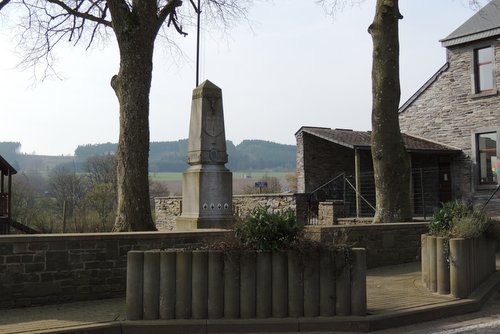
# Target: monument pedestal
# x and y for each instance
(207, 185)
(206, 198)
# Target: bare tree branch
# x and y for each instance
(3, 3)
(84, 15)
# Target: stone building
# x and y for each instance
(451, 128)
(336, 165)
(460, 106)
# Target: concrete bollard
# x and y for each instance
(295, 285)
(183, 273)
(167, 284)
(135, 276)
(279, 285)
(492, 263)
(343, 282)
(458, 269)
(199, 296)
(215, 285)
(151, 285)
(311, 283)
(358, 282)
(232, 285)
(247, 285)
(473, 264)
(327, 283)
(264, 285)
(431, 250)
(424, 260)
(442, 267)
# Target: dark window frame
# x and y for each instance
(476, 156)
(477, 69)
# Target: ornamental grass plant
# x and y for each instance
(457, 219)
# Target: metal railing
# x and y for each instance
(426, 194)
(4, 204)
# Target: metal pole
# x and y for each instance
(198, 47)
(422, 190)
(9, 200)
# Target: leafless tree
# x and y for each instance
(135, 25)
(101, 169)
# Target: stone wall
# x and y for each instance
(448, 111)
(168, 208)
(386, 244)
(43, 269)
(321, 160)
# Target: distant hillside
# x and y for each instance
(10, 151)
(164, 156)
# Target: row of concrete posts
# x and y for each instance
(200, 284)
(457, 266)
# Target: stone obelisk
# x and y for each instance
(207, 185)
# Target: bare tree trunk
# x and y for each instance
(391, 162)
(135, 36)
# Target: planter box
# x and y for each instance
(457, 266)
(200, 284)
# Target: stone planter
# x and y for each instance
(200, 284)
(457, 266)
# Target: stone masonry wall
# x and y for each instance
(315, 156)
(449, 112)
(168, 208)
(55, 268)
(386, 244)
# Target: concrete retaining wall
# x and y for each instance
(201, 284)
(43, 269)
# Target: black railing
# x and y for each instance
(426, 194)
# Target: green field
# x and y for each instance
(170, 176)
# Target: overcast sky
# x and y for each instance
(293, 66)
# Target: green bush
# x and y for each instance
(459, 220)
(441, 221)
(263, 230)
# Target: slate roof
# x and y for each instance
(484, 24)
(362, 140)
(5, 167)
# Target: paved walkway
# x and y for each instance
(394, 292)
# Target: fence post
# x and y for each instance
(422, 190)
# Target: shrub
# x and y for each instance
(263, 230)
(441, 220)
(470, 225)
(457, 219)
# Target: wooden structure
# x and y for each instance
(6, 172)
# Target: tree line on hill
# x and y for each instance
(169, 156)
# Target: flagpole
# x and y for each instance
(198, 47)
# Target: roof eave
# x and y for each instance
(447, 42)
(6, 167)
(424, 87)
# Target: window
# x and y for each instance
(483, 69)
(486, 148)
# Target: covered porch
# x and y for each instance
(6, 172)
(334, 167)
